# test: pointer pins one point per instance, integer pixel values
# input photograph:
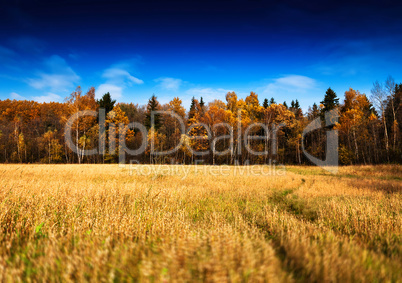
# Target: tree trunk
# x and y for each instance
(356, 148)
(386, 133)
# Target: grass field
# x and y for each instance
(105, 223)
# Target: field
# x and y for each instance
(105, 223)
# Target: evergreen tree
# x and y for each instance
(202, 104)
(265, 104)
(297, 105)
(106, 102)
(285, 104)
(330, 100)
(193, 109)
(272, 101)
(153, 105)
(298, 111)
(315, 112)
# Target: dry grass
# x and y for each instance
(99, 223)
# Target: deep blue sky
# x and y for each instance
(282, 49)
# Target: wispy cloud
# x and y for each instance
(9, 60)
(16, 96)
(28, 44)
(291, 87)
(74, 56)
(291, 84)
(59, 76)
(117, 78)
(300, 82)
(360, 58)
(115, 91)
(55, 82)
(208, 94)
(6, 52)
(169, 83)
(47, 98)
(212, 93)
(116, 75)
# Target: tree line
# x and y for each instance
(368, 128)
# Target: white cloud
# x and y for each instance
(16, 96)
(117, 79)
(296, 81)
(114, 90)
(53, 82)
(59, 76)
(288, 85)
(116, 75)
(169, 83)
(307, 90)
(207, 94)
(47, 98)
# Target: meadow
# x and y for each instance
(106, 223)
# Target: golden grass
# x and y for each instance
(101, 223)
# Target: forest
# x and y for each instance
(368, 129)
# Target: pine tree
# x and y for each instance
(201, 106)
(202, 103)
(265, 104)
(315, 112)
(330, 100)
(297, 105)
(193, 109)
(106, 102)
(285, 104)
(153, 105)
(272, 101)
(298, 111)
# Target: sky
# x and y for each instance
(283, 49)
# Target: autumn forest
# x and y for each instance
(368, 126)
